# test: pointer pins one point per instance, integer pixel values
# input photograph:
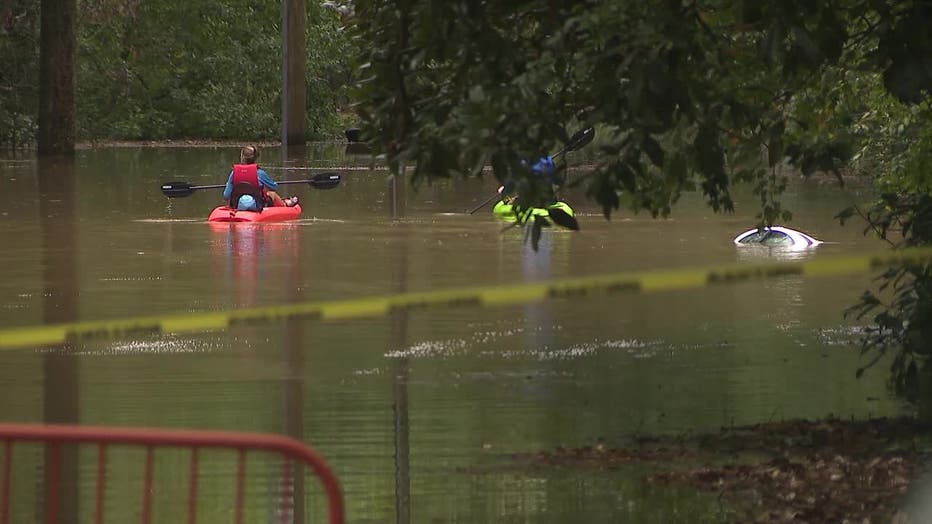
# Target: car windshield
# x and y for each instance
(767, 238)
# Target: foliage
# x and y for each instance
(202, 69)
(19, 76)
(901, 324)
(157, 70)
(895, 147)
(686, 96)
(167, 83)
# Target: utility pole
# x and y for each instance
(57, 42)
(294, 83)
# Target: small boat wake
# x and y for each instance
(169, 220)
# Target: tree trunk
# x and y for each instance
(57, 43)
(294, 83)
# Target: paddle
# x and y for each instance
(577, 141)
(183, 189)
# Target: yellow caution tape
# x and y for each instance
(640, 282)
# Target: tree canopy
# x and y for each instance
(170, 70)
(685, 95)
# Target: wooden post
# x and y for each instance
(57, 42)
(294, 56)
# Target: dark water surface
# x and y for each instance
(420, 412)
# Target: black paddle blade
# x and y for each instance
(177, 189)
(183, 189)
(581, 138)
(562, 218)
(324, 181)
(483, 204)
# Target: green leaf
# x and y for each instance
(653, 150)
(845, 214)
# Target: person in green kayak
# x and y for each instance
(249, 187)
(544, 169)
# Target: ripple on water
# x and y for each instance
(459, 347)
(159, 346)
(431, 349)
(636, 348)
(130, 279)
(841, 335)
(169, 220)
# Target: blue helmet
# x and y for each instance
(247, 203)
(544, 166)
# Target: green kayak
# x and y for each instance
(506, 211)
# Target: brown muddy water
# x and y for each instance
(419, 413)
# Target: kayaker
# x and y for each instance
(544, 168)
(248, 171)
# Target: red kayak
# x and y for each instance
(268, 214)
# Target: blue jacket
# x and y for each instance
(544, 168)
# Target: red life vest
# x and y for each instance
(249, 173)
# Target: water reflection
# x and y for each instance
(788, 291)
(763, 253)
(245, 253)
(293, 352)
(400, 366)
(538, 318)
(257, 257)
(61, 379)
(293, 410)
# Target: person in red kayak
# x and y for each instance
(249, 187)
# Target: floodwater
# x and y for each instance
(419, 413)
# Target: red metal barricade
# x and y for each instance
(53, 436)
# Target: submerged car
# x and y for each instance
(776, 236)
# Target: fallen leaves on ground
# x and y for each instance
(797, 471)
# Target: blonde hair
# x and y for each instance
(248, 154)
